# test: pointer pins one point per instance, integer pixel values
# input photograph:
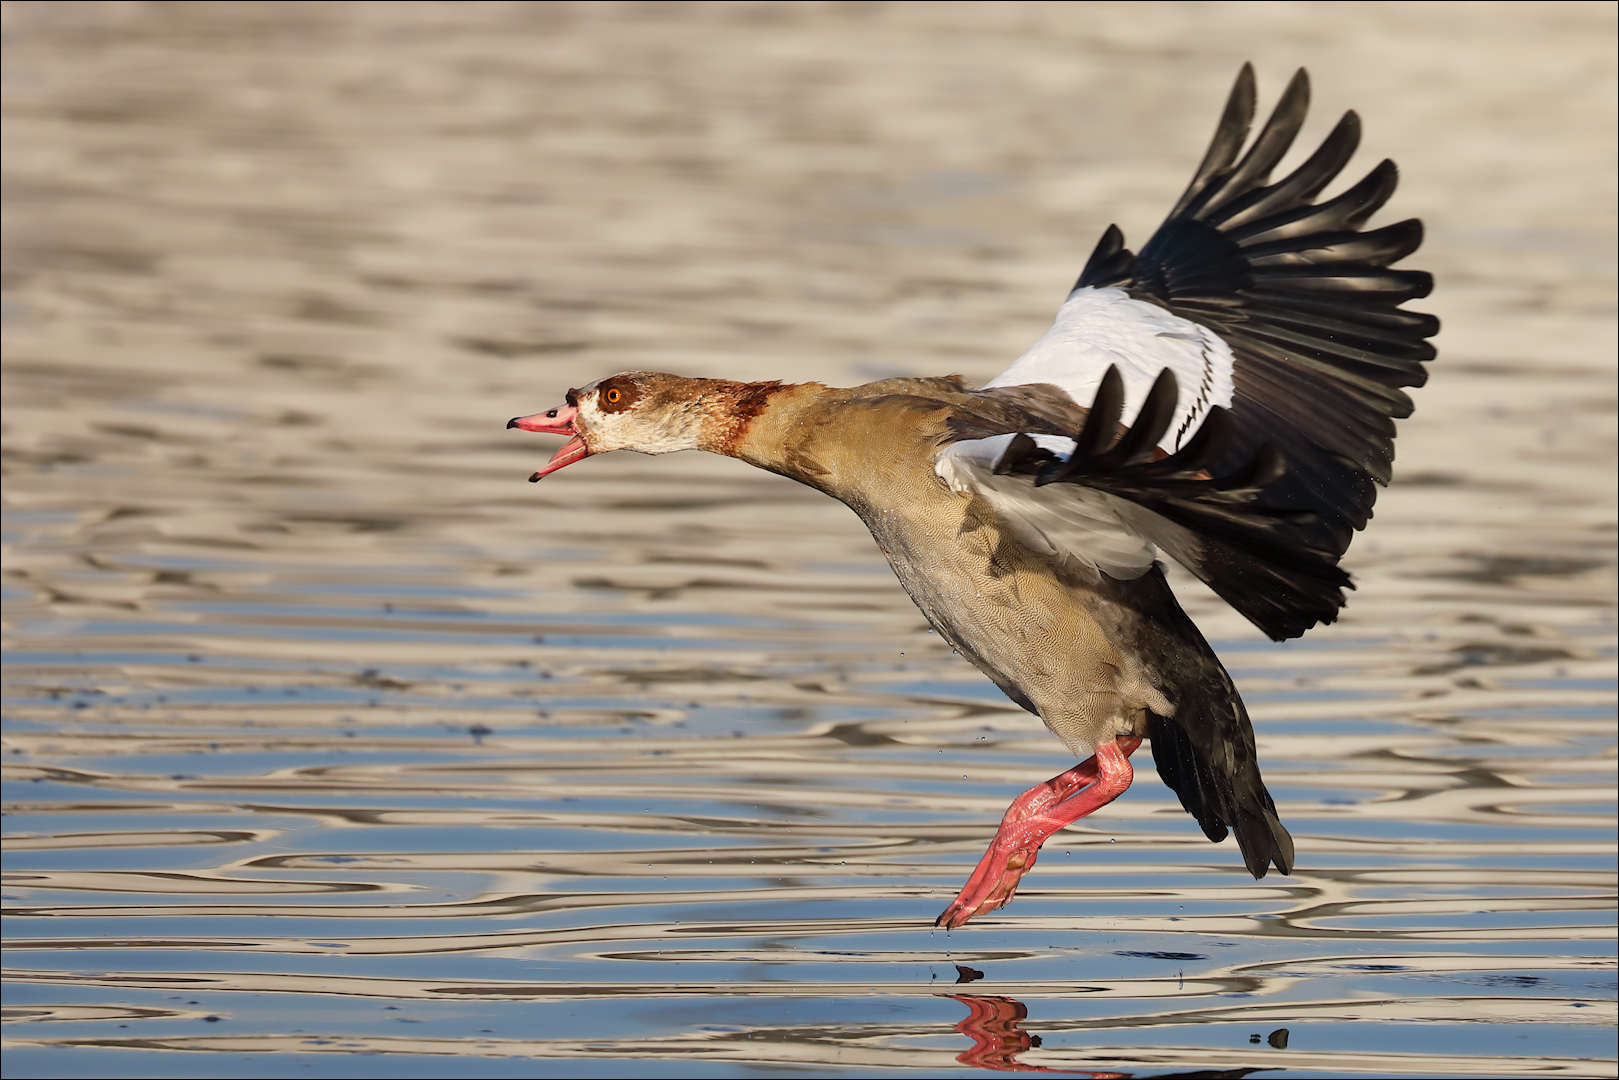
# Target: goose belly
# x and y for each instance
(1052, 643)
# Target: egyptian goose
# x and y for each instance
(1242, 375)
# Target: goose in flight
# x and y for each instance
(1225, 397)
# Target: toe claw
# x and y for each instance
(977, 897)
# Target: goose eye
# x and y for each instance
(614, 396)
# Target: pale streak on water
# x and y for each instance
(332, 745)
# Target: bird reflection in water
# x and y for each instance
(992, 1023)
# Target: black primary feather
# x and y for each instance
(1310, 307)
(1229, 528)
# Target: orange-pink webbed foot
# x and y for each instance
(1031, 819)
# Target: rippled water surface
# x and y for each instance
(331, 745)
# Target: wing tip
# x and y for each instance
(1111, 263)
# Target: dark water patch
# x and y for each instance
(1503, 569)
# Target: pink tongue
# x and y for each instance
(572, 450)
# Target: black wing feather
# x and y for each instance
(1311, 309)
(1231, 533)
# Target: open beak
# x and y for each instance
(558, 421)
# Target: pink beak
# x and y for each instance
(557, 421)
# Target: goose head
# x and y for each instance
(648, 412)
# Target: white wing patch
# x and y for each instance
(1095, 329)
(1101, 327)
(1064, 521)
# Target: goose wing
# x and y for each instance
(1280, 320)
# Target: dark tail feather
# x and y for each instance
(1222, 803)
(1263, 841)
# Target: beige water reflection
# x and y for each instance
(320, 722)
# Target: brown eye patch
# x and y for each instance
(617, 394)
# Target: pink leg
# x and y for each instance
(1032, 818)
(1033, 801)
